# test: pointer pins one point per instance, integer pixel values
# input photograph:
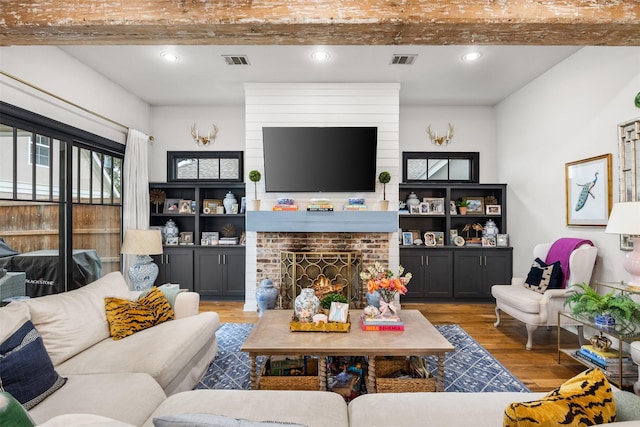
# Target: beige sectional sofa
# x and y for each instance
(122, 379)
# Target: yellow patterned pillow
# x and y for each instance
(584, 400)
(128, 317)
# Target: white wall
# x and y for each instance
(474, 130)
(569, 113)
(51, 69)
(172, 130)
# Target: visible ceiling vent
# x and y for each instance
(403, 59)
(236, 59)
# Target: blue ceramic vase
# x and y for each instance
(266, 296)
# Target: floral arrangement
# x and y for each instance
(383, 281)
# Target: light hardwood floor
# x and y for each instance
(538, 369)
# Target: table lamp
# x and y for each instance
(625, 219)
(142, 243)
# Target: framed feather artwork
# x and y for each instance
(588, 191)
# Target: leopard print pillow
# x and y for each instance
(584, 400)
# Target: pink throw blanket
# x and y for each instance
(561, 251)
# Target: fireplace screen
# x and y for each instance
(325, 272)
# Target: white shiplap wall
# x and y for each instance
(321, 104)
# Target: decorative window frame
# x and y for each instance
(430, 156)
(175, 157)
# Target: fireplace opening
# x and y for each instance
(325, 272)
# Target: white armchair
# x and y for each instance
(541, 309)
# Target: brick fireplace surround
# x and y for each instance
(372, 246)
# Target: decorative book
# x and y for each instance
(380, 323)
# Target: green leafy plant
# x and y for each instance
(332, 297)
(587, 301)
(384, 179)
(255, 176)
(462, 203)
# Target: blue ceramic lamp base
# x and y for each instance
(143, 273)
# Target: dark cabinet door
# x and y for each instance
(413, 262)
(438, 273)
(220, 272)
(498, 269)
(477, 270)
(432, 271)
(175, 266)
(468, 274)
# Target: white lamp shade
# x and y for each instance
(142, 242)
(624, 219)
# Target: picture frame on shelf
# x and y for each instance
(453, 233)
(414, 209)
(407, 238)
(439, 238)
(209, 206)
(436, 205)
(185, 206)
(186, 238)
(489, 242)
(171, 206)
(424, 208)
(172, 241)
(415, 234)
(588, 191)
(494, 210)
(502, 240)
(209, 237)
(430, 239)
(476, 205)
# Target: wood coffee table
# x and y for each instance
(271, 337)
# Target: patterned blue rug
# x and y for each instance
(470, 368)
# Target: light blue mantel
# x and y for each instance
(323, 222)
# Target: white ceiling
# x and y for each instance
(437, 77)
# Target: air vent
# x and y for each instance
(236, 59)
(403, 59)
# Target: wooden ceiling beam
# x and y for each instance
(306, 22)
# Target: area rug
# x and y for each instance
(470, 368)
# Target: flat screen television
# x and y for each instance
(320, 159)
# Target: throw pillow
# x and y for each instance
(627, 406)
(212, 420)
(26, 370)
(12, 413)
(127, 317)
(584, 400)
(543, 276)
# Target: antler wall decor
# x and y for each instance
(202, 139)
(440, 140)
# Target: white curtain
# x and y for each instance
(135, 212)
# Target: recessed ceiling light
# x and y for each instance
(320, 55)
(169, 56)
(471, 56)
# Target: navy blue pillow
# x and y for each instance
(26, 370)
(543, 276)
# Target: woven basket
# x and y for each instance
(386, 367)
(287, 382)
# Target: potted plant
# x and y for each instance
(462, 206)
(255, 176)
(607, 309)
(384, 179)
(325, 302)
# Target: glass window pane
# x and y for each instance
(24, 179)
(107, 180)
(75, 187)
(460, 169)
(43, 157)
(96, 239)
(6, 162)
(417, 169)
(186, 168)
(438, 169)
(117, 180)
(84, 175)
(209, 169)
